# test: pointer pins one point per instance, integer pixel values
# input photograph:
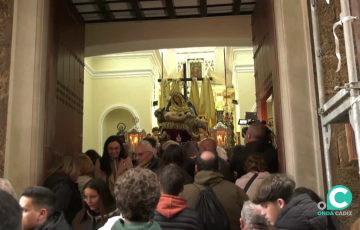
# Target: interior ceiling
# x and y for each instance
(100, 11)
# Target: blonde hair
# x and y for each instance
(356, 225)
(6, 186)
(87, 166)
(69, 165)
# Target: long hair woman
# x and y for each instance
(98, 206)
(86, 171)
(62, 181)
(113, 163)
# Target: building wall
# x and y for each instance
(344, 172)
(6, 22)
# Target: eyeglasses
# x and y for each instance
(141, 154)
(86, 198)
(113, 149)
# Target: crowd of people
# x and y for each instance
(185, 188)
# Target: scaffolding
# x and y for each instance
(343, 107)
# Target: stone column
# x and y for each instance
(26, 106)
(298, 97)
(6, 22)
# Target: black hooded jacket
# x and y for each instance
(55, 222)
(68, 198)
(301, 213)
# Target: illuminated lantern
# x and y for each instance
(135, 135)
(222, 134)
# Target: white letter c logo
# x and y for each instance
(332, 197)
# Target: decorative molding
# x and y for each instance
(243, 68)
(106, 112)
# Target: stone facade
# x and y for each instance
(344, 172)
(6, 23)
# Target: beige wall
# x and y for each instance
(109, 38)
(246, 95)
(131, 93)
(90, 140)
(115, 117)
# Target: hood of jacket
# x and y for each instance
(205, 177)
(301, 213)
(55, 222)
(169, 206)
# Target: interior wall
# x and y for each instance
(107, 93)
(113, 118)
(246, 94)
(165, 34)
(89, 136)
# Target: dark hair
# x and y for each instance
(41, 197)
(106, 200)
(151, 140)
(105, 159)
(210, 165)
(172, 180)
(275, 187)
(137, 193)
(93, 155)
(173, 154)
(190, 149)
(255, 163)
(155, 129)
(302, 190)
(10, 212)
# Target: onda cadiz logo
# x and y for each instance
(338, 198)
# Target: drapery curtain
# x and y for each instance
(194, 94)
(175, 86)
(207, 103)
(165, 93)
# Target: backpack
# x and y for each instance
(211, 210)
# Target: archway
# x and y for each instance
(111, 117)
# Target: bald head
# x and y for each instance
(257, 131)
(208, 144)
(207, 160)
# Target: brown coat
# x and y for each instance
(123, 165)
(230, 196)
(241, 182)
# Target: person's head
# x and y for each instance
(137, 193)
(302, 190)
(251, 218)
(152, 141)
(171, 180)
(190, 150)
(93, 155)
(155, 131)
(256, 132)
(113, 150)
(10, 212)
(207, 160)
(87, 166)
(69, 165)
(158, 114)
(207, 144)
(273, 194)
(6, 186)
(255, 163)
(127, 148)
(173, 154)
(201, 128)
(37, 204)
(177, 99)
(97, 198)
(144, 153)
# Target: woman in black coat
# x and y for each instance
(62, 181)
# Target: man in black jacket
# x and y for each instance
(256, 142)
(286, 211)
(38, 205)
(172, 211)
